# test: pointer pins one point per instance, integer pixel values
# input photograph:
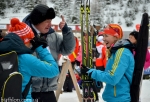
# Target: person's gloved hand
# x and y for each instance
(36, 42)
(77, 62)
(86, 71)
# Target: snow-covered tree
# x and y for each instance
(129, 22)
(112, 20)
(108, 20)
(144, 9)
(136, 9)
(125, 14)
(2, 7)
(121, 3)
(119, 22)
(10, 3)
(43, 2)
(29, 5)
(56, 8)
(108, 2)
(141, 1)
(115, 1)
(53, 1)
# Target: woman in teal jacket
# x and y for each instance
(119, 69)
(29, 65)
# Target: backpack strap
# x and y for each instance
(26, 90)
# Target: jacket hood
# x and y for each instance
(124, 43)
(12, 42)
(27, 20)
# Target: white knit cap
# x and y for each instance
(100, 39)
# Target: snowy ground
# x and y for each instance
(72, 97)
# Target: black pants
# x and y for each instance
(68, 84)
(44, 96)
(99, 84)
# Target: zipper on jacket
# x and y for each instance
(115, 91)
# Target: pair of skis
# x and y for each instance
(88, 41)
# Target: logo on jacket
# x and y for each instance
(6, 65)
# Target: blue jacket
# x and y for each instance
(59, 44)
(117, 75)
(29, 65)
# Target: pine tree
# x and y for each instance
(115, 1)
(129, 22)
(119, 22)
(10, 3)
(56, 8)
(53, 1)
(108, 20)
(125, 14)
(144, 9)
(30, 5)
(112, 20)
(121, 3)
(2, 7)
(136, 9)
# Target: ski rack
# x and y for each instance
(67, 66)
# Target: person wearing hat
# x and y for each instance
(133, 37)
(20, 39)
(119, 68)
(101, 58)
(40, 22)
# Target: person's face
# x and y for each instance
(132, 39)
(109, 39)
(44, 26)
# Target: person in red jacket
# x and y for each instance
(101, 57)
(68, 84)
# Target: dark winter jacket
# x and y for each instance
(28, 64)
(59, 44)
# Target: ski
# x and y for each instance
(140, 55)
(88, 84)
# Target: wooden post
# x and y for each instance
(62, 77)
(75, 83)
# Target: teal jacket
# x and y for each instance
(118, 74)
(28, 64)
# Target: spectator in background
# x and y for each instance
(68, 85)
(133, 36)
(101, 58)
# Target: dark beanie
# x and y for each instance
(135, 34)
(41, 13)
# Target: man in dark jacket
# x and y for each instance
(40, 22)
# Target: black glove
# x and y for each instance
(36, 42)
(84, 69)
(77, 62)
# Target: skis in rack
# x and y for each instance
(88, 84)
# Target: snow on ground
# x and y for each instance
(72, 96)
